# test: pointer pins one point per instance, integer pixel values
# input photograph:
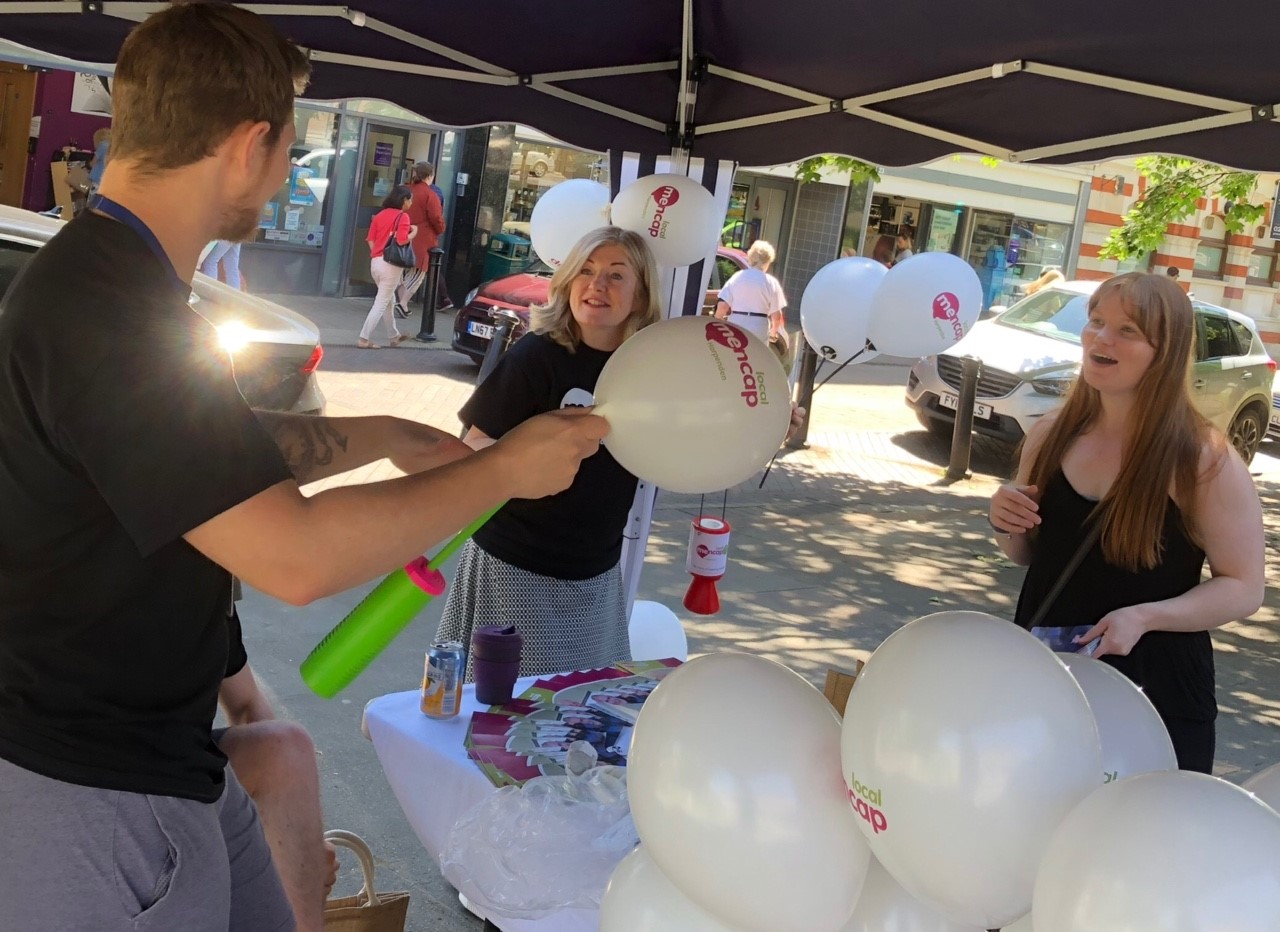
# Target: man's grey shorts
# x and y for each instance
(79, 858)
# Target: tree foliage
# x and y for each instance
(859, 171)
(1174, 188)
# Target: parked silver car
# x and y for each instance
(276, 350)
(1031, 354)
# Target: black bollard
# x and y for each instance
(962, 436)
(504, 326)
(427, 333)
(804, 384)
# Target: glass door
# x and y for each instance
(384, 165)
(767, 215)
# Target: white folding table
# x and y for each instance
(435, 783)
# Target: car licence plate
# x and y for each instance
(483, 331)
(949, 400)
(1275, 419)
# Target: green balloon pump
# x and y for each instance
(373, 624)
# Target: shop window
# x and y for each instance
(735, 234)
(944, 223)
(381, 108)
(1261, 265)
(536, 167)
(1209, 258)
(295, 214)
(852, 236)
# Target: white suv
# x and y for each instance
(1031, 354)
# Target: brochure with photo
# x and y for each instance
(530, 735)
(1062, 640)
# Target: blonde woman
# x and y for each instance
(753, 297)
(1129, 450)
(551, 566)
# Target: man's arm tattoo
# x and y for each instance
(309, 444)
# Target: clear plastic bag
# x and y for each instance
(551, 844)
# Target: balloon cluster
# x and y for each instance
(676, 215)
(713, 416)
(854, 309)
(983, 783)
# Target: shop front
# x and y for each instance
(1009, 233)
(760, 208)
(347, 158)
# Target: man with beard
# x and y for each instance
(134, 481)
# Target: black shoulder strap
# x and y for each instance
(1089, 539)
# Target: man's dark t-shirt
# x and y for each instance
(118, 435)
(577, 533)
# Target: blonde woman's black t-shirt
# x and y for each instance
(577, 533)
(120, 434)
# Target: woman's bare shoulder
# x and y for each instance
(1218, 460)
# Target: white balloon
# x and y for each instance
(674, 214)
(965, 743)
(655, 632)
(1134, 739)
(836, 308)
(734, 785)
(640, 898)
(693, 404)
(1168, 850)
(924, 305)
(564, 214)
(1266, 786)
(885, 907)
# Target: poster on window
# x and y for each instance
(91, 93)
(299, 188)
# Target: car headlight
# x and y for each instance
(1054, 384)
(471, 296)
(234, 336)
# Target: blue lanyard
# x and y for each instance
(124, 215)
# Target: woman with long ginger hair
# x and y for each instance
(1128, 449)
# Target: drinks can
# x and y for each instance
(442, 679)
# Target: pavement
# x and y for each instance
(847, 540)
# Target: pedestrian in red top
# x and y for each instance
(393, 218)
(426, 212)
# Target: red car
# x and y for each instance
(474, 324)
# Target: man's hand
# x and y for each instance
(541, 456)
(413, 447)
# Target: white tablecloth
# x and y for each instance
(435, 783)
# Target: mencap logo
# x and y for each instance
(665, 195)
(946, 306)
(735, 341)
(727, 335)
